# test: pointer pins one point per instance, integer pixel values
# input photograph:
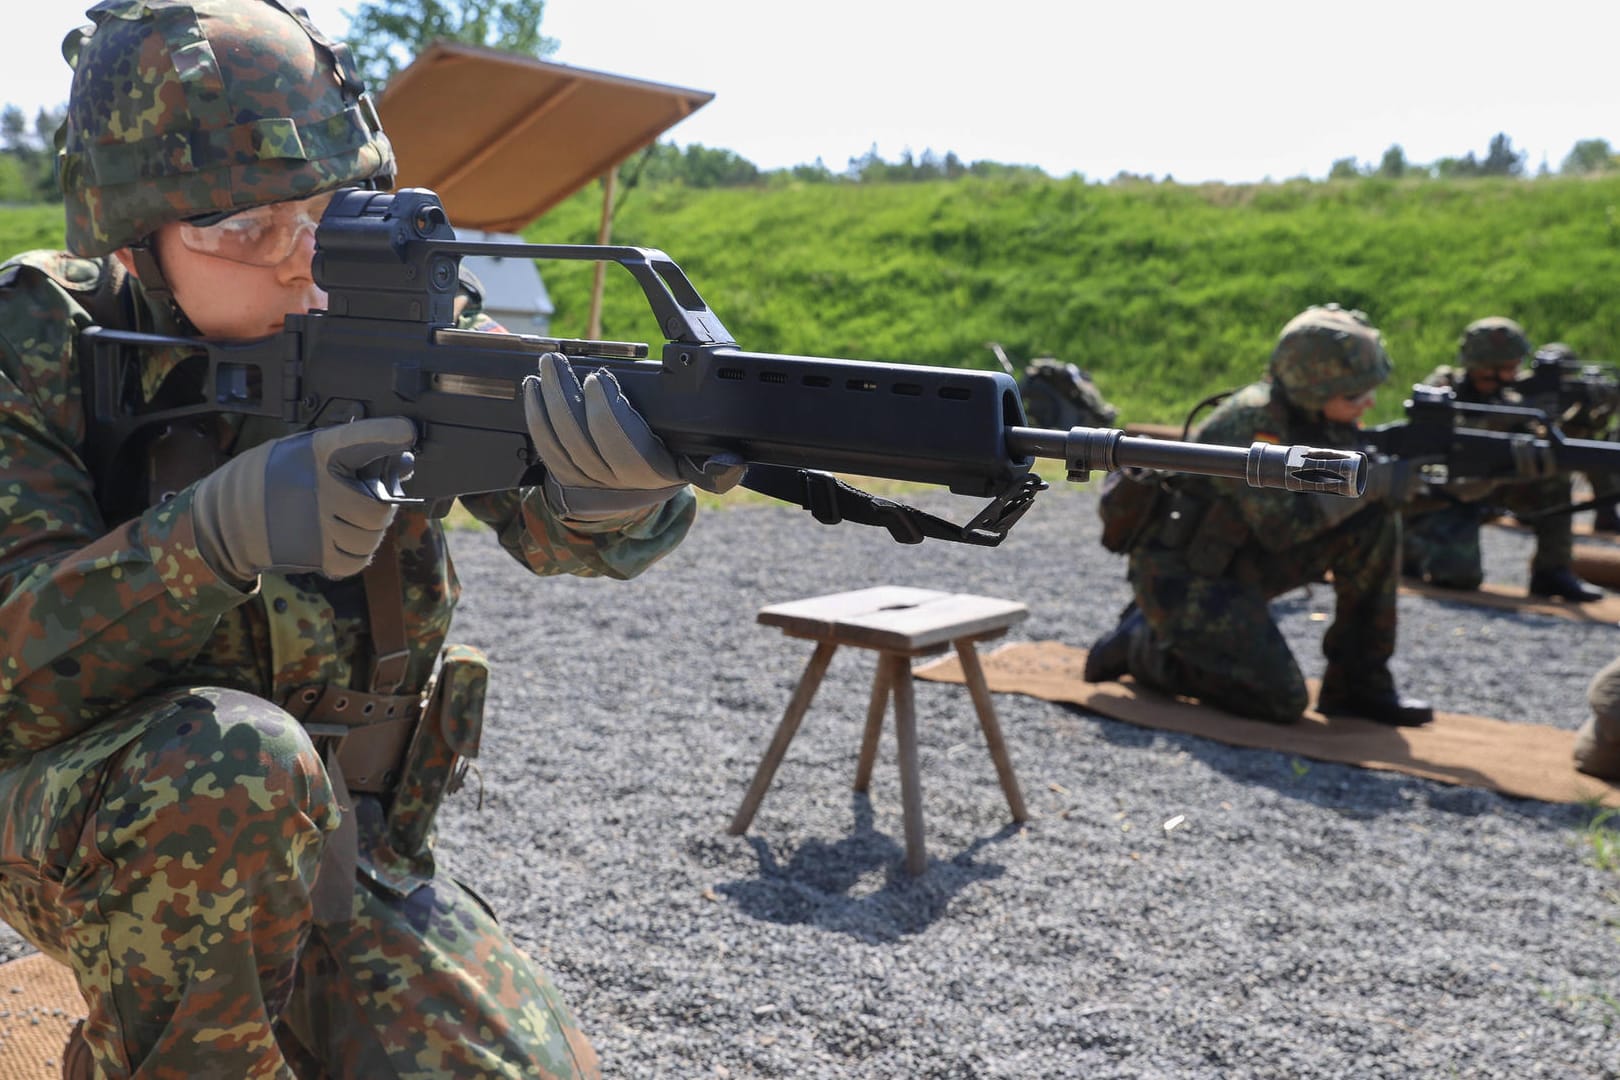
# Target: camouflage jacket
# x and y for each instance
(1276, 520)
(93, 619)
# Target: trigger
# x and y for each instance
(385, 479)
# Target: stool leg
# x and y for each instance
(809, 682)
(905, 734)
(973, 673)
(874, 725)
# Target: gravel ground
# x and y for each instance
(1306, 920)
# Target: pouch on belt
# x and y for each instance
(445, 742)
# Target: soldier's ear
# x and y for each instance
(125, 259)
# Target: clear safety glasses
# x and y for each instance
(258, 236)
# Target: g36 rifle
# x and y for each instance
(387, 345)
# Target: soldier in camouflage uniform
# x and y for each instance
(1441, 544)
(228, 711)
(1218, 551)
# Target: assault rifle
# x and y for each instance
(1581, 398)
(387, 345)
(1435, 439)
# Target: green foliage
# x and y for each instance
(1602, 839)
(1589, 156)
(386, 35)
(25, 228)
(27, 156)
(1165, 292)
(696, 166)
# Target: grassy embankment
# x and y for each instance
(1166, 293)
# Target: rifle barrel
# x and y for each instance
(1263, 465)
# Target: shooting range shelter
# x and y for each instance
(503, 138)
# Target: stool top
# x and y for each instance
(894, 618)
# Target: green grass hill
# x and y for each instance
(1165, 292)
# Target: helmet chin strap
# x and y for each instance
(156, 286)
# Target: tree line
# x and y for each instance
(1588, 157)
(385, 34)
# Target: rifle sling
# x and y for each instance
(831, 501)
(385, 611)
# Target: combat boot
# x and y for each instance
(1562, 584)
(1373, 698)
(1597, 751)
(77, 1061)
(1109, 656)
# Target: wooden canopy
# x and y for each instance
(503, 138)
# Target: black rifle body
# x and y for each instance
(386, 345)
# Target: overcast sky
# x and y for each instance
(1236, 91)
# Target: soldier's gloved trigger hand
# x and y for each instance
(299, 504)
(601, 458)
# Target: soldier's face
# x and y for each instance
(233, 300)
(1343, 409)
(1490, 380)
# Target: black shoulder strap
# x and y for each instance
(831, 501)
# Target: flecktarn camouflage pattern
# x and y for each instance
(1204, 591)
(1327, 351)
(1440, 544)
(138, 697)
(168, 821)
(1491, 342)
(182, 108)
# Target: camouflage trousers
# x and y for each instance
(167, 856)
(1212, 636)
(1442, 546)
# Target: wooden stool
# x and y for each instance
(899, 623)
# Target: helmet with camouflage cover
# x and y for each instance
(1493, 342)
(182, 109)
(1326, 351)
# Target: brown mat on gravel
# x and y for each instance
(1527, 760)
(38, 1006)
(1513, 598)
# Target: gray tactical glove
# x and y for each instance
(296, 504)
(601, 458)
(1390, 481)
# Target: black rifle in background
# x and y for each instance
(387, 345)
(1438, 446)
(1581, 398)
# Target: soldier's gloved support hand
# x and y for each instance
(1473, 490)
(294, 505)
(1530, 461)
(600, 456)
(1336, 509)
(1389, 481)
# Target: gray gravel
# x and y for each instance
(1306, 919)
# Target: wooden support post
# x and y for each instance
(874, 725)
(808, 684)
(973, 673)
(905, 736)
(604, 234)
